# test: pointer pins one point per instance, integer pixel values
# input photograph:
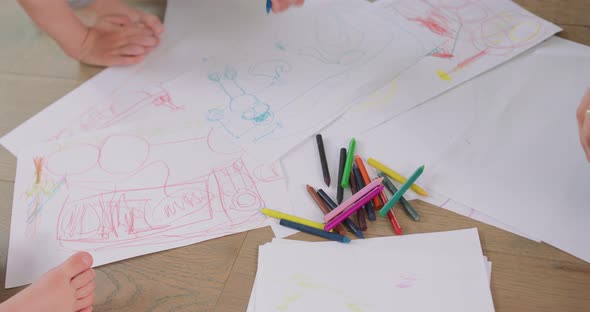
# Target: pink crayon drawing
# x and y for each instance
(130, 191)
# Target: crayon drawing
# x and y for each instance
(128, 193)
(471, 30)
(304, 290)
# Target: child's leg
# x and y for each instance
(67, 287)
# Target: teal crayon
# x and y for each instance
(396, 197)
(410, 211)
(313, 231)
(348, 163)
(268, 6)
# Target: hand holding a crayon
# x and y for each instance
(583, 115)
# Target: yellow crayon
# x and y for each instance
(280, 215)
(394, 175)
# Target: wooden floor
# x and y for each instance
(217, 275)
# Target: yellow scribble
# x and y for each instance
(288, 300)
(354, 307)
(443, 75)
(300, 280)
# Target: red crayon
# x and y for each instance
(394, 223)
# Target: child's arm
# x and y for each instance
(583, 115)
(114, 40)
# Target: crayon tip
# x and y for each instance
(346, 240)
(360, 235)
(327, 180)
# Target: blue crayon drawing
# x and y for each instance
(245, 116)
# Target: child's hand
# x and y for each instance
(282, 5)
(116, 40)
(584, 123)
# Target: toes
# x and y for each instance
(84, 303)
(83, 279)
(88, 309)
(85, 291)
(76, 264)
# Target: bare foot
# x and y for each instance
(116, 7)
(68, 287)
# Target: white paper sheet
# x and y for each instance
(266, 82)
(421, 136)
(478, 36)
(124, 193)
(252, 301)
(525, 165)
(445, 268)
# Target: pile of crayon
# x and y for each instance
(367, 201)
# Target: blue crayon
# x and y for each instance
(313, 231)
(268, 6)
(349, 223)
(356, 172)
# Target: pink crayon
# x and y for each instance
(353, 208)
(347, 203)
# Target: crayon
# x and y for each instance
(394, 175)
(349, 223)
(395, 198)
(323, 207)
(313, 231)
(410, 211)
(348, 163)
(323, 160)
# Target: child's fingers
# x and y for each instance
(585, 137)
(584, 106)
(121, 60)
(299, 3)
(153, 22)
(131, 50)
(146, 41)
(119, 20)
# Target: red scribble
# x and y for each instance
(170, 212)
(436, 23)
(103, 116)
(38, 161)
(471, 59)
(443, 55)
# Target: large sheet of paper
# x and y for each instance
(418, 137)
(477, 36)
(264, 81)
(524, 165)
(121, 193)
(422, 272)
(252, 301)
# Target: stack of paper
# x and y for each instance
(424, 272)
